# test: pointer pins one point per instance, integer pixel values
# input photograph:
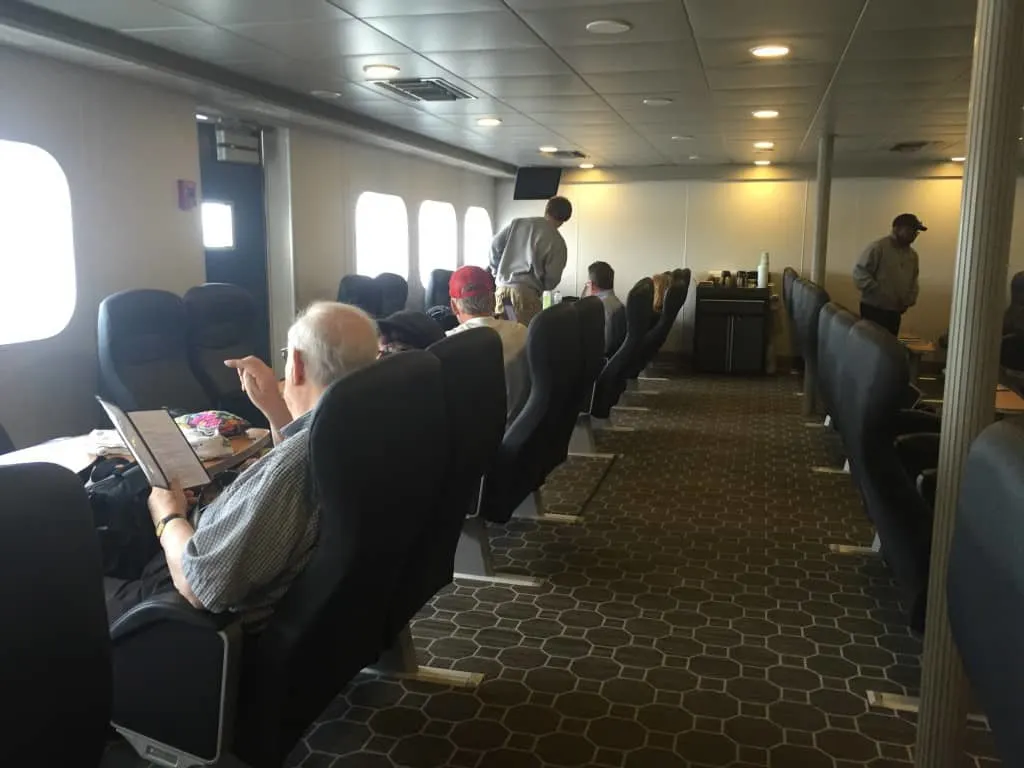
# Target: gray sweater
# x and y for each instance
(528, 253)
(886, 275)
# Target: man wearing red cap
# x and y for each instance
(472, 300)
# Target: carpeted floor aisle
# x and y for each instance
(695, 618)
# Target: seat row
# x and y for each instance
(863, 380)
(186, 685)
(158, 349)
(378, 296)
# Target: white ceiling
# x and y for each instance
(898, 69)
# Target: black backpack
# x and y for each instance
(117, 491)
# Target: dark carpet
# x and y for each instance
(696, 617)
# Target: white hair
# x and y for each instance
(334, 339)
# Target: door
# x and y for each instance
(235, 227)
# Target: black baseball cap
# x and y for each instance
(414, 329)
(909, 220)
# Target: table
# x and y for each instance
(918, 348)
(1008, 402)
(75, 453)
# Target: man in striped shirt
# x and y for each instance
(241, 552)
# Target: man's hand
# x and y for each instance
(164, 502)
(260, 384)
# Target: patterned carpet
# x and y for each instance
(694, 618)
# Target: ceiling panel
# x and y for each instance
(906, 71)
(653, 22)
(481, 31)
(489, 64)
(320, 39)
(804, 49)
(916, 15)
(122, 14)
(771, 21)
(227, 12)
(668, 80)
(371, 8)
(778, 76)
(554, 85)
(630, 57)
(209, 43)
(552, 104)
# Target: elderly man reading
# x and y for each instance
(241, 552)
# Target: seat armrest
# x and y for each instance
(168, 606)
(908, 421)
(918, 452)
(926, 483)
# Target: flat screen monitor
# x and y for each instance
(537, 183)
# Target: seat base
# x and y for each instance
(608, 425)
(473, 559)
(400, 662)
(845, 470)
(532, 508)
(898, 702)
(853, 549)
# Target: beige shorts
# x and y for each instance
(525, 302)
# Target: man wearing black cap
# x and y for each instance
(886, 274)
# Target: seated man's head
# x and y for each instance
(472, 293)
(326, 342)
(601, 277)
(558, 211)
(405, 330)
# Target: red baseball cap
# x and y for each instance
(467, 282)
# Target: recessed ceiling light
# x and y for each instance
(325, 94)
(380, 71)
(682, 137)
(765, 114)
(608, 27)
(201, 117)
(764, 145)
(548, 149)
(586, 166)
(657, 101)
(762, 162)
(488, 122)
(770, 51)
(958, 159)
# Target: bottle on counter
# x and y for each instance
(763, 271)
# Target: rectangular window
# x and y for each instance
(382, 235)
(439, 238)
(37, 250)
(218, 225)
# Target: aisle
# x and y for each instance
(695, 618)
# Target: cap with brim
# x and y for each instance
(909, 220)
(469, 281)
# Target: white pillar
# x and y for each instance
(979, 289)
(826, 144)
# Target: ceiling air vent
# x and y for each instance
(909, 146)
(566, 154)
(424, 89)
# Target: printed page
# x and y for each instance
(158, 446)
(170, 448)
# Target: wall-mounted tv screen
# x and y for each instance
(537, 183)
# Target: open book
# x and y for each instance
(159, 447)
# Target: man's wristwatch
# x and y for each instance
(163, 523)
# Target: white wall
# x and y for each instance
(122, 147)
(329, 174)
(645, 227)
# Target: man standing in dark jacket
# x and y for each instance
(886, 274)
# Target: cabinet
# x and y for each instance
(731, 329)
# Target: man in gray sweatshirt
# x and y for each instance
(886, 274)
(527, 258)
